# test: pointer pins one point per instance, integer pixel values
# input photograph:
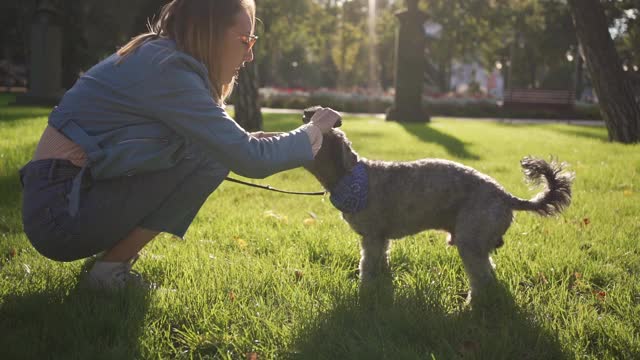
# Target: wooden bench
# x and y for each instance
(560, 100)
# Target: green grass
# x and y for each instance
(245, 280)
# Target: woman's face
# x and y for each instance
(236, 50)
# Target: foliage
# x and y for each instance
(324, 43)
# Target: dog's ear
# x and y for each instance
(349, 157)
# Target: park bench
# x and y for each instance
(559, 100)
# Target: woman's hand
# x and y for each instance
(325, 119)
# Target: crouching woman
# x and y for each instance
(141, 140)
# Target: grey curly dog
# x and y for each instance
(385, 200)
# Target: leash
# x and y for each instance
(306, 117)
(268, 187)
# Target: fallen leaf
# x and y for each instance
(309, 221)
(542, 278)
(252, 356)
(600, 295)
(13, 252)
(241, 242)
(586, 221)
(232, 296)
(577, 275)
(298, 274)
(628, 192)
(272, 214)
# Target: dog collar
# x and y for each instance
(351, 192)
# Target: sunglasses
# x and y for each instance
(248, 40)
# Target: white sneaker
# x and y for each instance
(106, 275)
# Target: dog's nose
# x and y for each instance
(308, 113)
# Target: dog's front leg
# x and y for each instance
(374, 258)
(376, 285)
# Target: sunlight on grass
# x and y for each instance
(255, 274)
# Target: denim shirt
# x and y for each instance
(155, 108)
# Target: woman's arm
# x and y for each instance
(262, 134)
(313, 132)
(195, 116)
(180, 99)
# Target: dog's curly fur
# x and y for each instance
(408, 197)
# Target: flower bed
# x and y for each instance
(359, 101)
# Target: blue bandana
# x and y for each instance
(350, 194)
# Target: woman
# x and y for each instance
(139, 142)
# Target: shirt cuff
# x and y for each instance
(315, 137)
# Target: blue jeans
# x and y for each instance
(163, 201)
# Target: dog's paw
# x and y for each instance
(376, 292)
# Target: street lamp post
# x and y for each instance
(45, 70)
(409, 66)
(574, 56)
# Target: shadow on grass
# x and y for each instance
(588, 132)
(592, 134)
(452, 145)
(413, 327)
(11, 204)
(11, 189)
(6, 99)
(12, 112)
(77, 325)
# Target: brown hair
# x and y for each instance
(197, 27)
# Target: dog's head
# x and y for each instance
(334, 159)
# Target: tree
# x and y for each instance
(75, 56)
(618, 104)
(470, 29)
(624, 18)
(245, 99)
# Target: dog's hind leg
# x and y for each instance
(474, 244)
(478, 232)
(478, 266)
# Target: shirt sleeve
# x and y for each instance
(313, 132)
(315, 137)
(183, 103)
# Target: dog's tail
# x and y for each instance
(557, 195)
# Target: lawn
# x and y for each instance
(273, 276)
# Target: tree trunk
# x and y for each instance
(75, 56)
(620, 110)
(245, 100)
